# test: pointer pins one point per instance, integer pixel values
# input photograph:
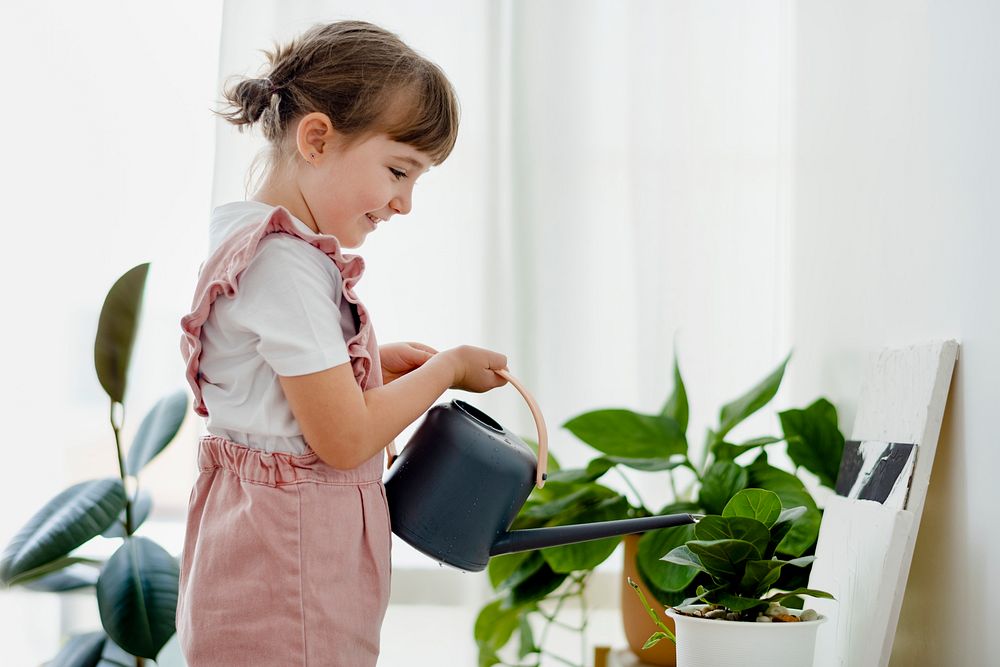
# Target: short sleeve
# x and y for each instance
(289, 296)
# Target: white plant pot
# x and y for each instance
(703, 642)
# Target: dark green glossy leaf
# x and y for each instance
(137, 596)
(72, 578)
(629, 434)
(722, 481)
(595, 469)
(724, 559)
(726, 451)
(116, 331)
(733, 528)
(45, 571)
(735, 602)
(760, 575)
(735, 412)
(682, 555)
(676, 407)
(782, 526)
(541, 582)
(500, 568)
(64, 523)
(663, 575)
(142, 505)
(81, 651)
(648, 465)
(513, 568)
(803, 534)
(778, 597)
(156, 431)
(765, 506)
(814, 441)
(586, 555)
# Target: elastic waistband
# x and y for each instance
(277, 468)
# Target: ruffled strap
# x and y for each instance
(219, 276)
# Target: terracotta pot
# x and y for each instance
(638, 625)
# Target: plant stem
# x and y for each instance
(121, 466)
(631, 486)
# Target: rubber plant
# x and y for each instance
(136, 587)
(531, 587)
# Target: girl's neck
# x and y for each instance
(286, 194)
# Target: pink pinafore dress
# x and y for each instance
(286, 560)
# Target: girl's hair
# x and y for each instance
(360, 75)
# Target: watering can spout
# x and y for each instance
(539, 538)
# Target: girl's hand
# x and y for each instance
(398, 359)
(473, 368)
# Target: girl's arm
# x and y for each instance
(346, 426)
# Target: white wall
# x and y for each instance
(894, 242)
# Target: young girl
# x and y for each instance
(286, 558)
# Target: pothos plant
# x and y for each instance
(136, 587)
(533, 586)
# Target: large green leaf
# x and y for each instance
(64, 523)
(663, 575)
(735, 412)
(494, 627)
(760, 504)
(595, 469)
(724, 559)
(527, 644)
(812, 592)
(535, 587)
(509, 570)
(81, 651)
(116, 331)
(722, 481)
(733, 528)
(72, 578)
(814, 441)
(156, 431)
(676, 407)
(760, 575)
(587, 555)
(137, 596)
(629, 434)
(43, 572)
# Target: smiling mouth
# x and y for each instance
(373, 219)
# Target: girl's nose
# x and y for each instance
(401, 204)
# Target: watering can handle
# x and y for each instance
(543, 437)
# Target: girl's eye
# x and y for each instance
(400, 175)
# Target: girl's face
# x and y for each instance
(352, 191)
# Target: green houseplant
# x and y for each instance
(136, 587)
(737, 550)
(532, 587)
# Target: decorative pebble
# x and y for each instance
(732, 616)
(786, 618)
(776, 610)
(809, 615)
(716, 613)
(763, 619)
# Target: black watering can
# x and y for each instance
(461, 480)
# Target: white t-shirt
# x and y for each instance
(287, 318)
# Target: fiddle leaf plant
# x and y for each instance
(136, 587)
(737, 550)
(532, 587)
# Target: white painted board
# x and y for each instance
(864, 552)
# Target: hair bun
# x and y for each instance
(249, 100)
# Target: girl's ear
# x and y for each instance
(315, 135)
